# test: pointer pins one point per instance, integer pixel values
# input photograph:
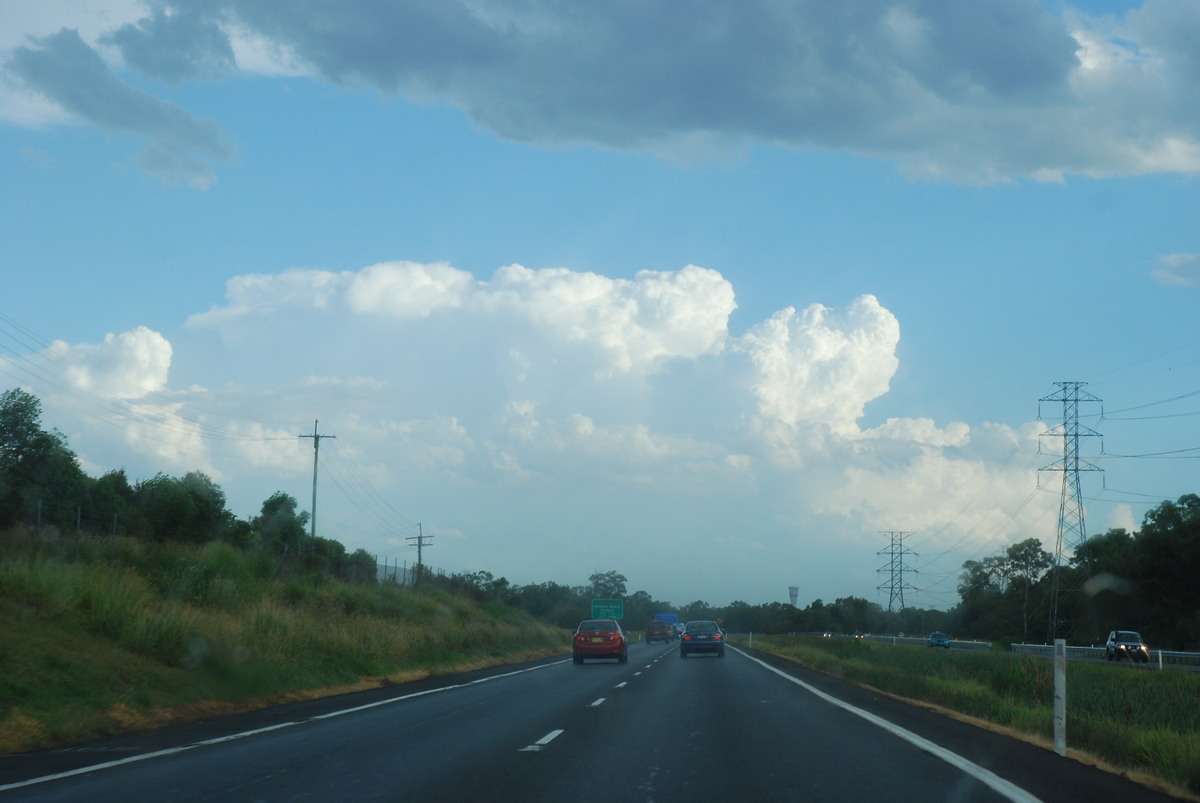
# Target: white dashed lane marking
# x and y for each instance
(542, 742)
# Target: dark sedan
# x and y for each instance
(702, 636)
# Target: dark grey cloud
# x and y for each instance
(64, 69)
(966, 91)
(945, 86)
(851, 74)
(175, 47)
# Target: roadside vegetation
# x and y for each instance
(111, 634)
(135, 604)
(1138, 720)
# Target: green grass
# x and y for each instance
(1137, 720)
(109, 635)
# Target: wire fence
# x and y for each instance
(405, 573)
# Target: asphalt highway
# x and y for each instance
(659, 728)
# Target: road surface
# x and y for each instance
(745, 727)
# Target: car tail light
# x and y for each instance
(687, 638)
(716, 636)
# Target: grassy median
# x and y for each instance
(1134, 719)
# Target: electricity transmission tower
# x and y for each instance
(316, 451)
(1071, 531)
(895, 569)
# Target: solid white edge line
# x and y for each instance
(998, 784)
(234, 736)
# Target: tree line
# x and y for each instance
(42, 487)
(1145, 581)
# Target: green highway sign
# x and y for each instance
(608, 608)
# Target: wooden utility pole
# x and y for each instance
(316, 451)
(421, 540)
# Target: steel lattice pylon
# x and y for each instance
(1071, 531)
(895, 569)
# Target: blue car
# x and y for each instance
(939, 639)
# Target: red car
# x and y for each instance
(599, 638)
(659, 631)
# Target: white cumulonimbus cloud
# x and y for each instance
(821, 366)
(544, 382)
(125, 366)
(626, 325)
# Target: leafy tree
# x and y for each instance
(37, 470)
(167, 506)
(699, 609)
(1167, 564)
(852, 614)
(210, 519)
(551, 602)
(278, 524)
(607, 585)
(108, 499)
(1106, 569)
(21, 436)
(360, 567)
(241, 534)
(1026, 564)
(1113, 552)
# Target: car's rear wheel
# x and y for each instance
(578, 659)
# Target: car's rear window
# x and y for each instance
(702, 627)
(598, 624)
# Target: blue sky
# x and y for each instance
(716, 300)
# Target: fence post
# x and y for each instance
(1060, 696)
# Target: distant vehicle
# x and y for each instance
(1126, 644)
(859, 634)
(939, 639)
(599, 638)
(702, 636)
(659, 631)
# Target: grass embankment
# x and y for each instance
(1137, 720)
(108, 635)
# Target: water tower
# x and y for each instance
(794, 593)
